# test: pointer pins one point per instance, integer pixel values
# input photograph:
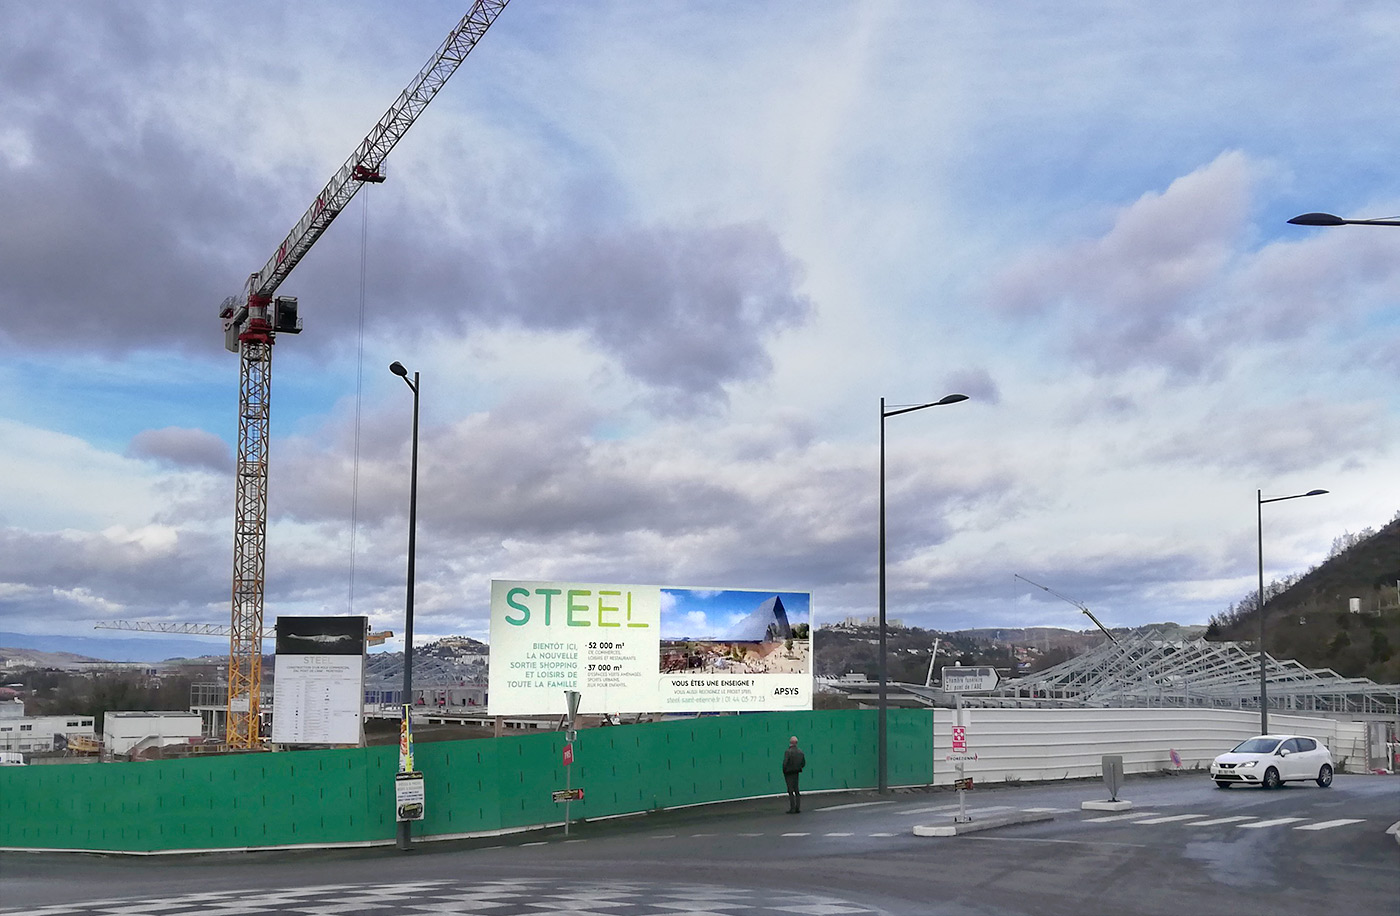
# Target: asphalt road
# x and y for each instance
(1185, 848)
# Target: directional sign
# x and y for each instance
(563, 795)
(969, 680)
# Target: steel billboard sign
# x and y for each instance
(648, 648)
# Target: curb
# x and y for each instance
(986, 823)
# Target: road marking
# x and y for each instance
(856, 805)
(1033, 839)
(1270, 823)
(1169, 818)
(1327, 825)
(1115, 817)
(573, 841)
(1223, 820)
(928, 810)
(796, 834)
(750, 834)
(664, 836)
(540, 843)
(882, 834)
(693, 835)
(837, 834)
(1045, 810)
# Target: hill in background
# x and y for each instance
(1308, 617)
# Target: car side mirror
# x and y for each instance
(1284, 752)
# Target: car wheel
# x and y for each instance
(1271, 780)
(1221, 784)
(1324, 775)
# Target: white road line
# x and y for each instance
(693, 835)
(750, 834)
(1045, 810)
(1115, 817)
(856, 805)
(573, 841)
(1169, 818)
(1327, 825)
(882, 834)
(1223, 820)
(664, 836)
(796, 834)
(540, 843)
(927, 810)
(1278, 821)
(837, 834)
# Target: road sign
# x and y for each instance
(959, 738)
(563, 795)
(969, 680)
(568, 755)
(963, 783)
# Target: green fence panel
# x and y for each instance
(472, 786)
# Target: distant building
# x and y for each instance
(38, 734)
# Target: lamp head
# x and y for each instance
(1318, 219)
(397, 368)
(1314, 492)
(953, 399)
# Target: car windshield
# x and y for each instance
(1257, 746)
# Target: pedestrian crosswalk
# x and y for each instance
(1143, 818)
(1242, 821)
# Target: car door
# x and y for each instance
(1293, 762)
(1309, 758)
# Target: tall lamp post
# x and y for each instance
(1263, 663)
(397, 368)
(882, 751)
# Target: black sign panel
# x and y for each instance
(322, 635)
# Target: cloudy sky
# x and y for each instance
(658, 263)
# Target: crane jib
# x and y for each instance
(363, 166)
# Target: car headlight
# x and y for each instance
(1245, 766)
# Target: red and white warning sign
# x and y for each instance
(959, 738)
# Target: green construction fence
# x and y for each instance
(481, 786)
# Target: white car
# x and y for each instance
(1272, 760)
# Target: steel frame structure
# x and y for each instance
(1143, 670)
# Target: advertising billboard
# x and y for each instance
(648, 648)
(318, 686)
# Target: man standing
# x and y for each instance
(793, 762)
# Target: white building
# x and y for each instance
(38, 734)
(128, 733)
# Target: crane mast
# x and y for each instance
(251, 322)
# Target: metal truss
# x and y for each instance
(1142, 670)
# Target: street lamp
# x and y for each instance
(1263, 670)
(1327, 219)
(397, 368)
(882, 751)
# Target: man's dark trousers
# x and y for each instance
(794, 797)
